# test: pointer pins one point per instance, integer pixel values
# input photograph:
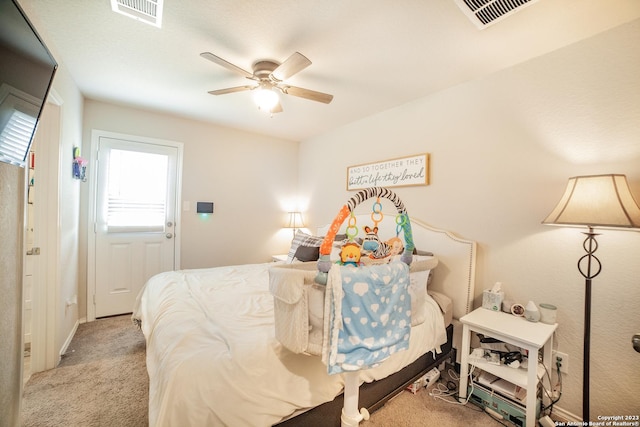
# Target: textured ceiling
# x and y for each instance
(371, 55)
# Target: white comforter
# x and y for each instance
(213, 360)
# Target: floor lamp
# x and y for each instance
(594, 201)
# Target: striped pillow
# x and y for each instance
(302, 239)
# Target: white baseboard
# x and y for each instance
(566, 416)
(67, 342)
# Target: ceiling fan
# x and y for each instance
(270, 78)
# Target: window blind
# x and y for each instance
(15, 137)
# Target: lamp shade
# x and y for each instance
(596, 201)
(295, 220)
(265, 98)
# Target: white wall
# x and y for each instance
(68, 205)
(502, 148)
(251, 179)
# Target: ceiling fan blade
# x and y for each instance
(293, 64)
(228, 65)
(230, 90)
(308, 94)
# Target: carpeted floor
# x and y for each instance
(102, 382)
(423, 409)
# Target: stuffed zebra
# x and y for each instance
(372, 244)
(376, 248)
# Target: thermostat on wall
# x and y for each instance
(204, 207)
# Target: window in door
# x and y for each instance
(137, 191)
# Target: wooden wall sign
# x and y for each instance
(400, 172)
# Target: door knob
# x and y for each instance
(169, 235)
(636, 342)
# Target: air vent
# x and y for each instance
(484, 13)
(149, 11)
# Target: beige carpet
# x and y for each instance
(421, 409)
(102, 381)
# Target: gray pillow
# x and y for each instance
(307, 253)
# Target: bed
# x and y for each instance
(213, 358)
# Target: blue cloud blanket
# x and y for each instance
(367, 315)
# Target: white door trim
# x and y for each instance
(93, 179)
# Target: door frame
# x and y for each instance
(91, 223)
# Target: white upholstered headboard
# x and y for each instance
(455, 274)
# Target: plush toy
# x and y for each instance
(350, 254)
(377, 249)
(396, 246)
(371, 241)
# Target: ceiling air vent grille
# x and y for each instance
(486, 12)
(149, 11)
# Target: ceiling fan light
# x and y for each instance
(265, 98)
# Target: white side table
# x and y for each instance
(531, 336)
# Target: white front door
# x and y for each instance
(135, 217)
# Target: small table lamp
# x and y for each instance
(594, 201)
(295, 221)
